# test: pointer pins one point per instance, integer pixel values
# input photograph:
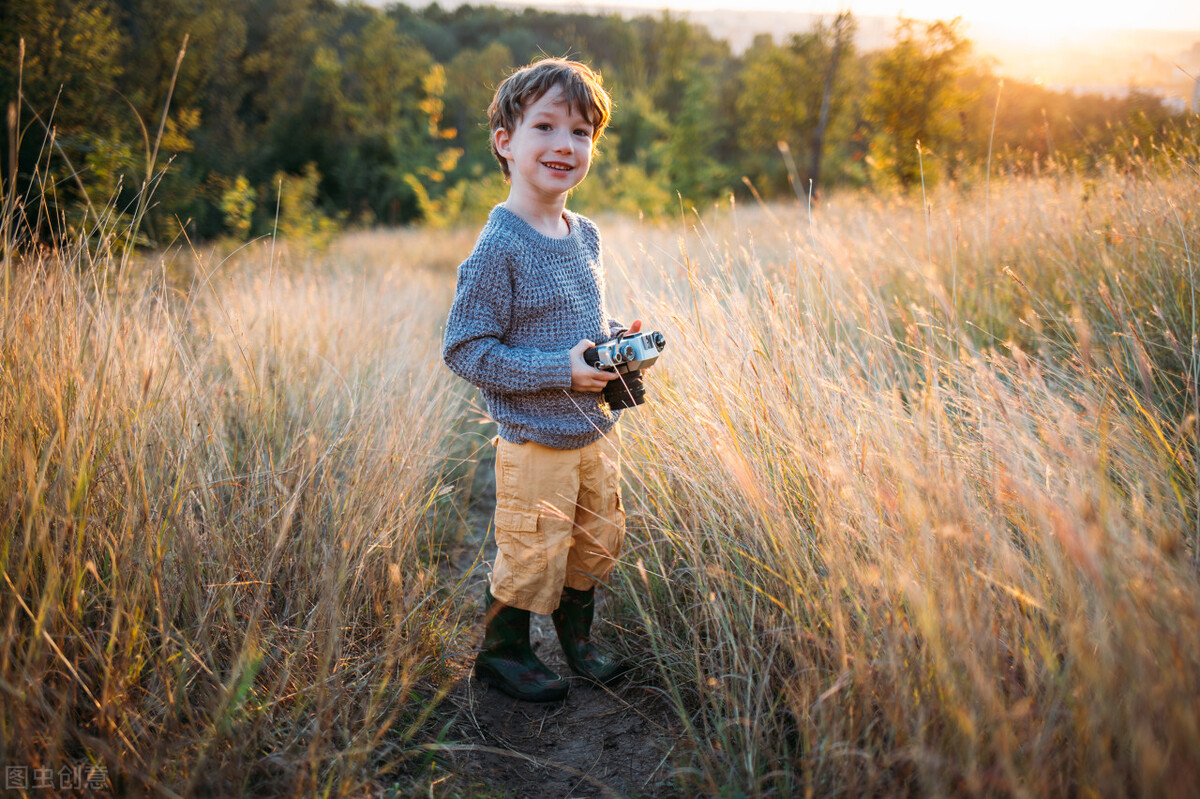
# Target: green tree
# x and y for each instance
(914, 99)
(842, 35)
(203, 138)
(211, 79)
(237, 203)
(300, 220)
(471, 80)
(73, 59)
(74, 54)
(691, 151)
(773, 106)
(789, 97)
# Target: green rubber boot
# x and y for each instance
(573, 621)
(507, 660)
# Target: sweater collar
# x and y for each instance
(509, 221)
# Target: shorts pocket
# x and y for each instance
(520, 541)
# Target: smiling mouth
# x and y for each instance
(558, 166)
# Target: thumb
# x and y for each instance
(635, 326)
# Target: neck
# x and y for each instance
(545, 215)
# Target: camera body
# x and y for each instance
(627, 355)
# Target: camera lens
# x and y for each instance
(626, 391)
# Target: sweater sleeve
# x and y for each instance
(473, 346)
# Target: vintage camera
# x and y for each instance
(627, 355)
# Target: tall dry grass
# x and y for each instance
(914, 502)
(216, 481)
(913, 507)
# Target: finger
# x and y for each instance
(636, 326)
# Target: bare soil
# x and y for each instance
(598, 742)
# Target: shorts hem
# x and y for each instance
(518, 600)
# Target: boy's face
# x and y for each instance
(550, 148)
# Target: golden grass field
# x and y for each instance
(913, 507)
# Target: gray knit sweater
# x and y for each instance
(523, 301)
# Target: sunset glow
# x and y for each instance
(1035, 16)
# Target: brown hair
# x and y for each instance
(583, 89)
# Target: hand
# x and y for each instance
(584, 377)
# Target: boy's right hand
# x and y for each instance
(584, 377)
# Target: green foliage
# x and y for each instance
(689, 156)
(623, 189)
(780, 95)
(1036, 127)
(389, 106)
(471, 80)
(73, 58)
(300, 220)
(468, 201)
(915, 100)
(107, 161)
(237, 203)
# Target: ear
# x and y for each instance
(501, 139)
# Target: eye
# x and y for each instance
(542, 126)
(583, 132)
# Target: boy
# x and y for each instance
(529, 301)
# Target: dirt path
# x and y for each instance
(599, 742)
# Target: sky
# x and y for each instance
(1038, 17)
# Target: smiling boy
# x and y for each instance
(528, 303)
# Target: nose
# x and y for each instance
(562, 142)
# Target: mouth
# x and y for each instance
(557, 166)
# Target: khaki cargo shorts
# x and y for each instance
(559, 520)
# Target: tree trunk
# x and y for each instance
(842, 30)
